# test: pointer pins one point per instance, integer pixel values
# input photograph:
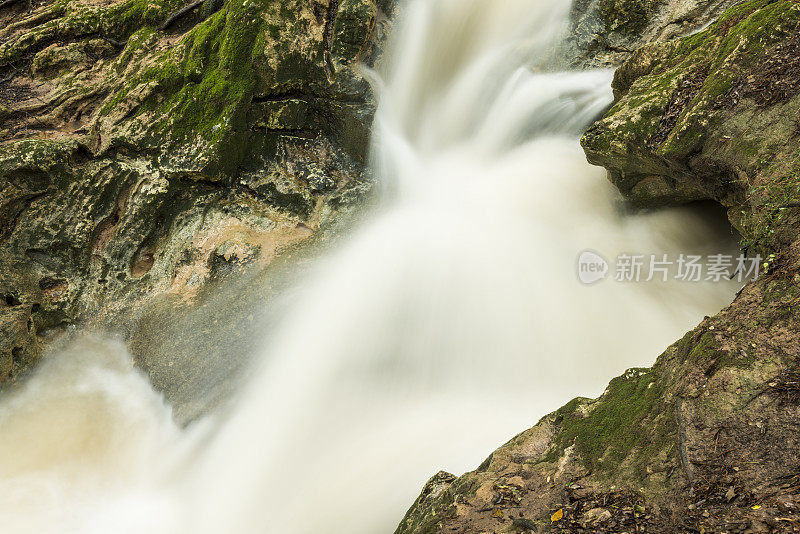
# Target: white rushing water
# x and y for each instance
(450, 321)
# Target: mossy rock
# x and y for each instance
(124, 141)
(702, 118)
(627, 15)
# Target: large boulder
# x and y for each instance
(144, 158)
(713, 116)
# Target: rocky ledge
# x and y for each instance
(706, 440)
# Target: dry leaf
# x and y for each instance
(557, 516)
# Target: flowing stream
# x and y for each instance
(449, 321)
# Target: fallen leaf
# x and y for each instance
(557, 516)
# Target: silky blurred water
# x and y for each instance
(449, 321)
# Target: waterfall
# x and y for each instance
(450, 320)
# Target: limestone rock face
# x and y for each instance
(603, 33)
(713, 116)
(137, 161)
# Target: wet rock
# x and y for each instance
(355, 22)
(18, 342)
(318, 181)
(138, 162)
(712, 116)
(604, 33)
(231, 256)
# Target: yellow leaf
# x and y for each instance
(756, 507)
(498, 513)
(557, 516)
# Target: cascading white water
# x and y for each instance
(450, 321)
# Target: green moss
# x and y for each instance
(122, 19)
(75, 20)
(220, 77)
(568, 409)
(199, 88)
(621, 426)
(703, 351)
(627, 16)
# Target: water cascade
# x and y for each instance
(449, 321)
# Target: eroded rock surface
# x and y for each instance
(603, 33)
(138, 161)
(713, 116)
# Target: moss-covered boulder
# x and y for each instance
(149, 149)
(713, 116)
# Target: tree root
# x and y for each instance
(182, 12)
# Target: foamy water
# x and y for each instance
(448, 322)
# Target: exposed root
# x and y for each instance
(786, 386)
(182, 12)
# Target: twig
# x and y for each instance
(116, 44)
(682, 442)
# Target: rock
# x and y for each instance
(354, 23)
(231, 256)
(596, 516)
(621, 456)
(434, 505)
(18, 344)
(604, 33)
(137, 163)
(318, 181)
(712, 116)
(55, 59)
